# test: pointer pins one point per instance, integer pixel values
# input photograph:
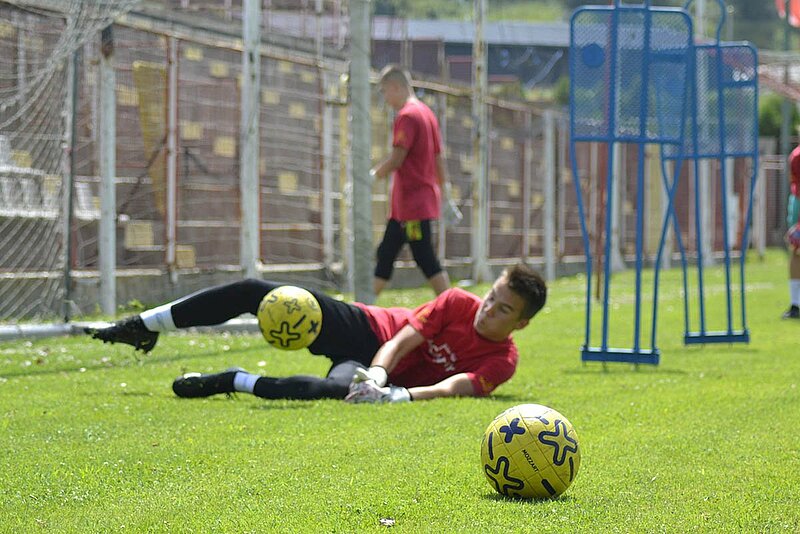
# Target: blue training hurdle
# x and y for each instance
(723, 124)
(638, 77)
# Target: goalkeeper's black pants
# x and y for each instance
(345, 336)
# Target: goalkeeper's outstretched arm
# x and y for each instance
(391, 352)
(454, 386)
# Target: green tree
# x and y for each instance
(749, 10)
(770, 117)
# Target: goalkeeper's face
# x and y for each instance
(500, 313)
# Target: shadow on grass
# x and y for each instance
(285, 404)
(510, 398)
(490, 496)
(137, 359)
(615, 367)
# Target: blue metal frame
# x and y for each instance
(716, 51)
(676, 148)
(608, 132)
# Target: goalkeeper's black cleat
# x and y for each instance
(194, 385)
(130, 331)
(792, 313)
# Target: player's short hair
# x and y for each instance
(528, 284)
(395, 73)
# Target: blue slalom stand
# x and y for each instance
(630, 74)
(723, 124)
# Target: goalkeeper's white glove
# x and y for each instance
(376, 373)
(368, 391)
(451, 215)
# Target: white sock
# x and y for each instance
(794, 290)
(245, 382)
(159, 319)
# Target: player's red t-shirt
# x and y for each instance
(451, 345)
(794, 164)
(415, 187)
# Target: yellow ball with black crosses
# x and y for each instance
(530, 451)
(289, 318)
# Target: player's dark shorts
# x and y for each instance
(418, 235)
(345, 331)
(345, 337)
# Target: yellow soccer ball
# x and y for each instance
(289, 318)
(530, 451)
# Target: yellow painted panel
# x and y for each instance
(138, 234)
(376, 152)
(192, 53)
(150, 81)
(507, 223)
(185, 257)
(307, 76)
(466, 122)
(268, 96)
(7, 30)
(33, 43)
(513, 189)
(21, 158)
(507, 143)
(287, 182)
(219, 69)
(314, 203)
(127, 96)
(297, 110)
(286, 67)
(466, 163)
(537, 200)
(225, 146)
(191, 130)
(51, 187)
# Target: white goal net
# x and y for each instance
(38, 40)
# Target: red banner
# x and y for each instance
(794, 11)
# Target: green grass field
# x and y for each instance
(93, 440)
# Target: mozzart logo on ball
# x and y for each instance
(530, 451)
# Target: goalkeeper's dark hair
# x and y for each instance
(528, 284)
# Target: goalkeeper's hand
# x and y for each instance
(368, 391)
(376, 373)
(451, 215)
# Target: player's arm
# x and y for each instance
(441, 170)
(458, 385)
(391, 352)
(392, 162)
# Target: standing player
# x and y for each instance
(793, 237)
(419, 175)
(454, 345)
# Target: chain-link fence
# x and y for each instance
(178, 201)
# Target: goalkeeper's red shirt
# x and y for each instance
(451, 345)
(415, 186)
